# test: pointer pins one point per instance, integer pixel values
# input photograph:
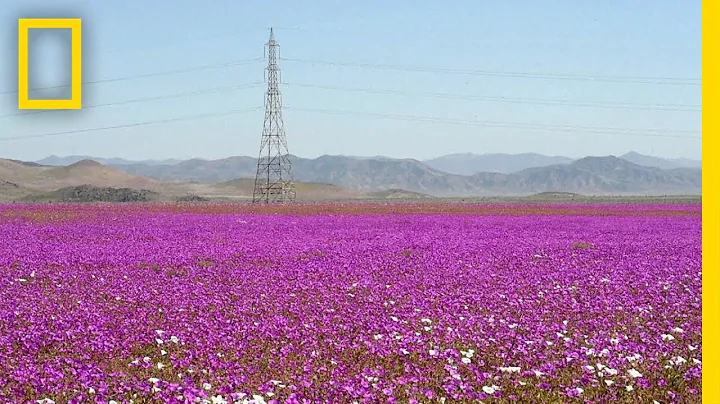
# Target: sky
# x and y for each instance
(475, 77)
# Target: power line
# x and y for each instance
(651, 107)
(179, 119)
(593, 104)
(137, 100)
(414, 118)
(519, 125)
(686, 81)
(157, 74)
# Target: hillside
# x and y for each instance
(341, 177)
(84, 172)
(243, 188)
(591, 175)
(88, 193)
(87, 181)
(372, 174)
(470, 163)
(594, 175)
(650, 161)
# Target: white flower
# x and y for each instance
(678, 329)
(426, 320)
(258, 399)
(609, 382)
(692, 348)
(159, 332)
(160, 365)
(433, 352)
(218, 399)
(667, 337)
(174, 339)
(207, 386)
(91, 390)
(629, 388)
(163, 352)
(510, 369)
(404, 351)
(611, 371)
(394, 318)
(538, 373)
(153, 380)
(634, 373)
(377, 336)
(488, 389)
(465, 360)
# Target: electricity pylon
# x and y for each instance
(273, 179)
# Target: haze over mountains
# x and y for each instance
(447, 176)
(458, 163)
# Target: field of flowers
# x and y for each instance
(350, 303)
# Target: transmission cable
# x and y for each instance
(519, 125)
(539, 101)
(156, 74)
(179, 119)
(137, 100)
(686, 81)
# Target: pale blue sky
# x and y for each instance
(133, 37)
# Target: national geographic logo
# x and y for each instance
(75, 26)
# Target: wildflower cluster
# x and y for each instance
(223, 304)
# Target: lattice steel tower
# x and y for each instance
(273, 180)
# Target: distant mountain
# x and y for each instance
(84, 172)
(65, 161)
(469, 163)
(88, 180)
(595, 175)
(367, 175)
(659, 162)
(195, 170)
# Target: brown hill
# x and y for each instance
(88, 180)
(85, 172)
(398, 194)
(606, 175)
(305, 191)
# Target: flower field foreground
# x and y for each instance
(367, 304)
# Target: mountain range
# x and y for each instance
(457, 175)
(458, 163)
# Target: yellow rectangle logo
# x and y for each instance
(75, 26)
